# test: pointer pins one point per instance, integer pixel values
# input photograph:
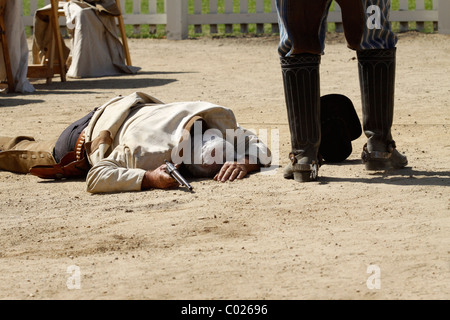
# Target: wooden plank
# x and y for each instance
(273, 9)
(259, 9)
(424, 15)
(436, 8)
(436, 4)
(136, 6)
(244, 10)
(334, 17)
(403, 6)
(33, 7)
(136, 10)
(37, 71)
(152, 9)
(235, 18)
(30, 18)
(420, 5)
(444, 17)
(198, 10)
(228, 10)
(339, 26)
(122, 5)
(213, 10)
(397, 16)
(160, 18)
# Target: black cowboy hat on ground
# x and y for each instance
(340, 126)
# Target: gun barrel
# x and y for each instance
(172, 170)
(181, 180)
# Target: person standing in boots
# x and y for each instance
(303, 25)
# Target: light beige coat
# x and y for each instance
(130, 135)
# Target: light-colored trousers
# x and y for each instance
(20, 154)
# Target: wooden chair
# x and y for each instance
(48, 68)
(4, 45)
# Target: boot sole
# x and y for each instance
(383, 161)
(380, 165)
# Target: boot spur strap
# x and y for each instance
(292, 158)
(299, 167)
(376, 160)
(376, 155)
(306, 172)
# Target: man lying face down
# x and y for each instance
(206, 154)
(122, 146)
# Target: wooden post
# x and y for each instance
(177, 19)
(444, 17)
(213, 10)
(420, 25)
(136, 10)
(244, 9)
(228, 9)
(152, 9)
(260, 9)
(198, 10)
(339, 26)
(436, 8)
(404, 25)
(275, 26)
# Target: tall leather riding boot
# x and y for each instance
(302, 93)
(377, 81)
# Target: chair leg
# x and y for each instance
(57, 36)
(47, 68)
(124, 35)
(49, 63)
(4, 44)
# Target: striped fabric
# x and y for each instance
(377, 32)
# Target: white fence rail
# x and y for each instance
(177, 15)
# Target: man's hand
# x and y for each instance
(158, 179)
(231, 171)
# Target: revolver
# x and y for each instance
(172, 170)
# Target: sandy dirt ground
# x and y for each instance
(351, 235)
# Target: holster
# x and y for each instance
(69, 167)
(73, 165)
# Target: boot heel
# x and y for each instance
(306, 173)
(303, 176)
(377, 165)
